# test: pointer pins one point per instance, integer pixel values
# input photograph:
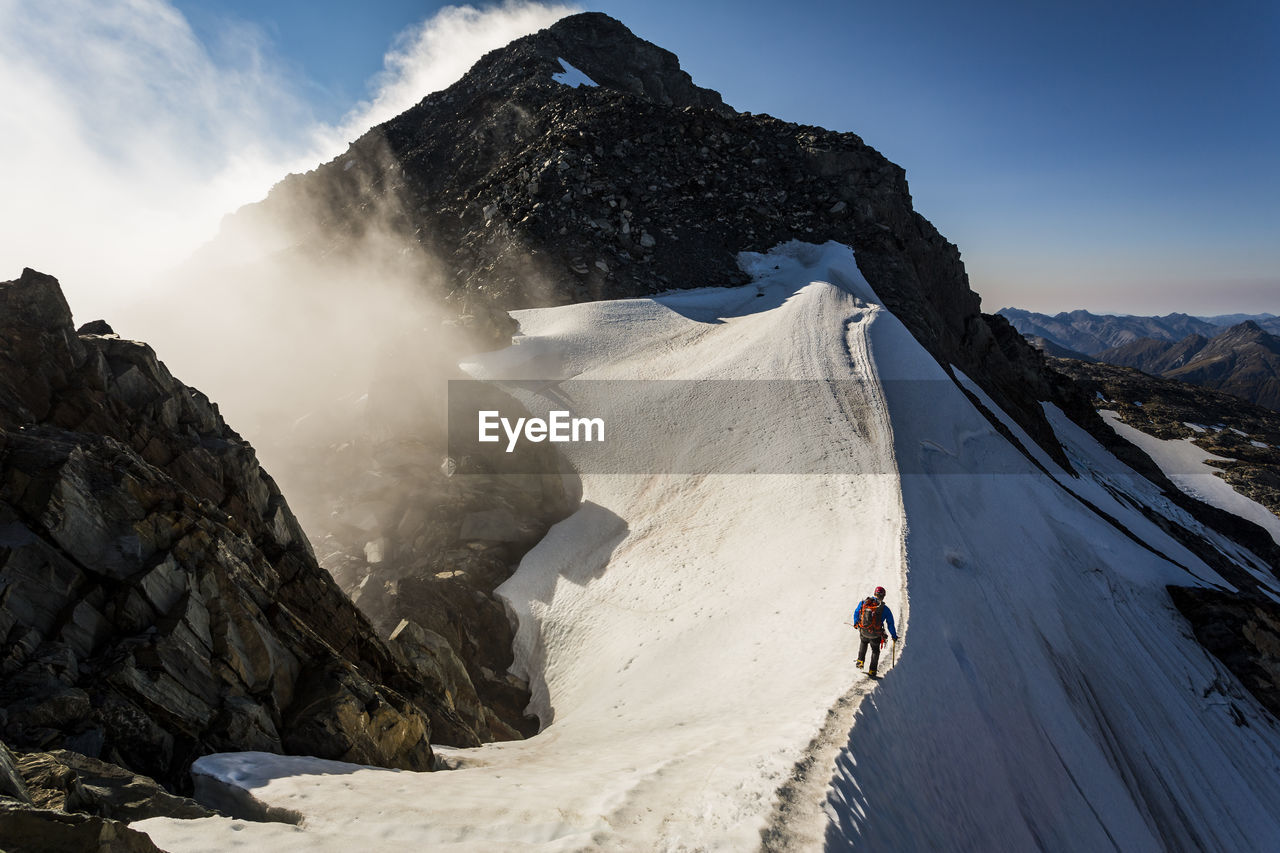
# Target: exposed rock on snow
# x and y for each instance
(1244, 432)
(1243, 631)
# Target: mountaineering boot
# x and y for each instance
(871, 673)
(858, 664)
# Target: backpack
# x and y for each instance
(871, 618)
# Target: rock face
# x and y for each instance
(1243, 631)
(159, 601)
(69, 782)
(534, 193)
(12, 784)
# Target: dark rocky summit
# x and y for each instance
(159, 600)
(533, 193)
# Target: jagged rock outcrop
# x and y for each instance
(70, 782)
(28, 829)
(62, 800)
(160, 602)
(12, 784)
(1242, 630)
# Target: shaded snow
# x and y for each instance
(1051, 697)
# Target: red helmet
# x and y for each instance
(879, 592)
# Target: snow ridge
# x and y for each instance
(685, 634)
(686, 643)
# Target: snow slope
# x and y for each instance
(685, 638)
(689, 628)
(1184, 464)
(1052, 697)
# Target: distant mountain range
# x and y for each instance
(1240, 356)
(1088, 333)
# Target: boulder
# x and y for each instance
(69, 782)
(27, 829)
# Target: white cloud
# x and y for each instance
(437, 52)
(125, 139)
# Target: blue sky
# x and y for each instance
(1111, 156)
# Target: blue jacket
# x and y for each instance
(888, 617)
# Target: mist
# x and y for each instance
(127, 140)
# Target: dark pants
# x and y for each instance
(874, 643)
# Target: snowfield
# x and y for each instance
(1184, 464)
(684, 633)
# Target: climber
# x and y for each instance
(871, 619)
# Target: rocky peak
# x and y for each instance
(600, 47)
(611, 55)
(36, 328)
(1246, 331)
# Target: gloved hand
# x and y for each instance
(882, 642)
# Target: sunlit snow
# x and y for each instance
(685, 637)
